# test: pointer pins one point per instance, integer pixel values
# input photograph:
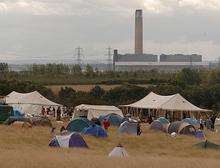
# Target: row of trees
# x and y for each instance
(58, 74)
(202, 96)
(201, 87)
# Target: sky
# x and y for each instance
(51, 29)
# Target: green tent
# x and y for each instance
(207, 145)
(163, 120)
(78, 125)
(5, 112)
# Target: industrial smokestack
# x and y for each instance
(138, 32)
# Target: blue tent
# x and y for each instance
(163, 120)
(161, 124)
(191, 121)
(157, 126)
(68, 141)
(78, 124)
(200, 134)
(95, 130)
(114, 119)
(17, 113)
(128, 127)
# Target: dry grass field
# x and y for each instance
(28, 148)
(85, 88)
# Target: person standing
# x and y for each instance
(58, 114)
(106, 124)
(43, 111)
(201, 124)
(150, 120)
(54, 112)
(139, 129)
(213, 118)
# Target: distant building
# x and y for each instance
(138, 32)
(142, 62)
(180, 58)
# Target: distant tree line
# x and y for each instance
(58, 74)
(204, 93)
(201, 87)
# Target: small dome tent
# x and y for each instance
(181, 128)
(114, 119)
(163, 120)
(174, 127)
(192, 121)
(78, 124)
(5, 112)
(187, 129)
(95, 130)
(208, 145)
(161, 124)
(118, 151)
(68, 141)
(128, 127)
(158, 126)
(17, 113)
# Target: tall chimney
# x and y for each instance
(138, 32)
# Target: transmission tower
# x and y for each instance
(79, 55)
(218, 62)
(109, 60)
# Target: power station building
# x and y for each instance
(140, 61)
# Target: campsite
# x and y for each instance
(29, 149)
(37, 132)
(110, 84)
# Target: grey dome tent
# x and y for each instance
(161, 124)
(181, 128)
(118, 151)
(128, 128)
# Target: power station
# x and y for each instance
(140, 61)
(138, 32)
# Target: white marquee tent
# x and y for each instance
(94, 111)
(159, 103)
(29, 103)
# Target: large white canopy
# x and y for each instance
(94, 111)
(173, 102)
(30, 103)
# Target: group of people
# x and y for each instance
(57, 112)
(51, 111)
(209, 123)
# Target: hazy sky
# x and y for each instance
(47, 29)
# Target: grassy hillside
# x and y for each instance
(28, 148)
